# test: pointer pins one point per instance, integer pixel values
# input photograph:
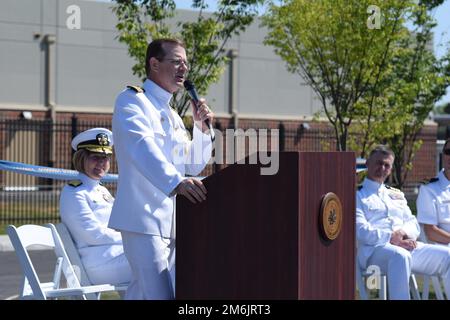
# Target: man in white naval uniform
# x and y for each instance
(433, 203)
(387, 231)
(154, 153)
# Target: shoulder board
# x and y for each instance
(393, 189)
(75, 183)
(430, 180)
(360, 187)
(136, 89)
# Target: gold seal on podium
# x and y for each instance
(330, 217)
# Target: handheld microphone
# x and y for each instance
(190, 88)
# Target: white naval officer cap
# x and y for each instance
(95, 140)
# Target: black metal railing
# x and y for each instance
(28, 199)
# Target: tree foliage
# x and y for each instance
(376, 85)
(141, 21)
(328, 43)
(408, 93)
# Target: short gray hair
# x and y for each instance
(383, 149)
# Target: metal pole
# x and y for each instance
(48, 40)
(232, 85)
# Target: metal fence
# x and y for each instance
(28, 199)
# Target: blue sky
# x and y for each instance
(441, 32)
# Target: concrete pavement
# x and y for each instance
(11, 273)
(5, 244)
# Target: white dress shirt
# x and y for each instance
(153, 153)
(380, 210)
(85, 210)
(433, 202)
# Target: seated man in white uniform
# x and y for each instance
(387, 231)
(85, 207)
(433, 203)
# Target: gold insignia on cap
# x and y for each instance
(98, 140)
(102, 139)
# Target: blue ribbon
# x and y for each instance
(48, 172)
(65, 174)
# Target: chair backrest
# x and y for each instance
(22, 238)
(72, 253)
(28, 235)
(435, 280)
(67, 267)
(66, 246)
(66, 241)
(25, 236)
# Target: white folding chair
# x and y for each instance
(72, 252)
(32, 288)
(435, 280)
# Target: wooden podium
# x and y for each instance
(259, 236)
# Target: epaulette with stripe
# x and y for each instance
(75, 183)
(136, 89)
(395, 194)
(393, 189)
(430, 180)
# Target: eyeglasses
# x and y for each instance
(99, 157)
(446, 152)
(177, 62)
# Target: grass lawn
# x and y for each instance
(22, 212)
(113, 295)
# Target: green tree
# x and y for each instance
(339, 47)
(376, 85)
(140, 21)
(406, 94)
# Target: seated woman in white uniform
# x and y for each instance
(85, 207)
